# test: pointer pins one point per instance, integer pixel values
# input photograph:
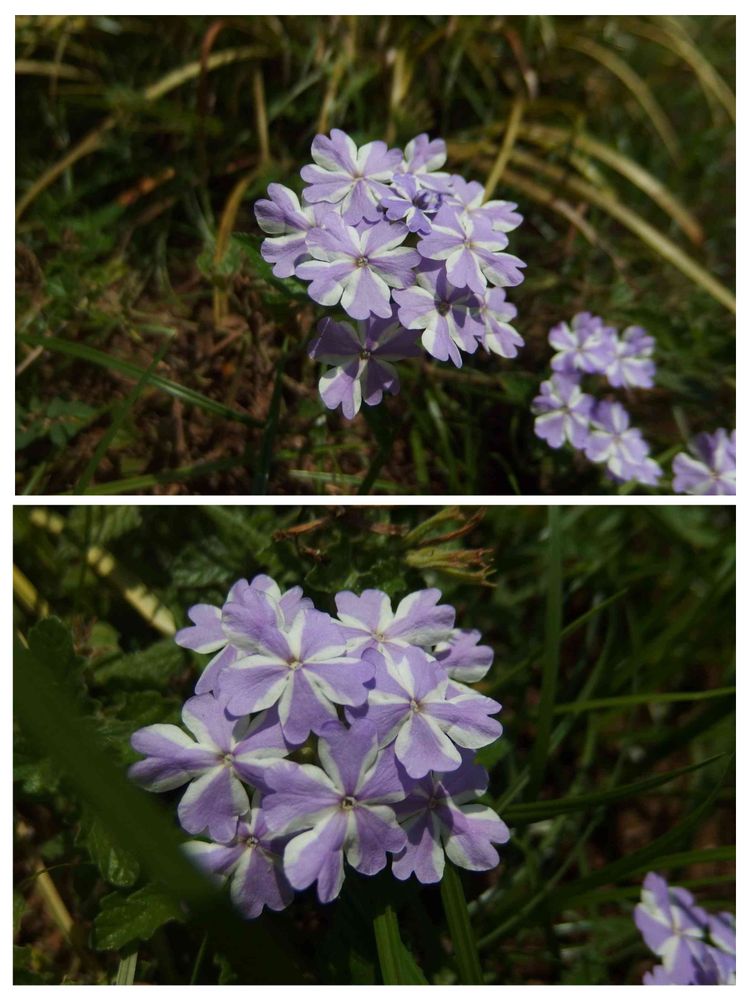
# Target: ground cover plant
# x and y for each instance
(611, 633)
(159, 352)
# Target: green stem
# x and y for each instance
(457, 916)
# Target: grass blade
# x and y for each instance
(630, 79)
(532, 812)
(646, 232)
(645, 698)
(550, 655)
(83, 352)
(558, 139)
(460, 929)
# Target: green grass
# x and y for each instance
(138, 165)
(632, 606)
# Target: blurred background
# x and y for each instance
(615, 758)
(154, 353)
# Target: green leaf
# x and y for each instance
(154, 667)
(118, 866)
(124, 919)
(398, 967)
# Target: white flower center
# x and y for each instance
(348, 802)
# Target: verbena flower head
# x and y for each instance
(343, 807)
(709, 470)
(440, 818)
(394, 729)
(562, 412)
(695, 948)
(362, 359)
(621, 447)
(377, 228)
(353, 179)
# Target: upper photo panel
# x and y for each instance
(375, 255)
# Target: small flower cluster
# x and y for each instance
(697, 948)
(402, 246)
(710, 468)
(381, 699)
(599, 428)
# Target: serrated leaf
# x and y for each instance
(123, 919)
(100, 525)
(118, 867)
(154, 667)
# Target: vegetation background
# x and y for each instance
(156, 354)
(613, 630)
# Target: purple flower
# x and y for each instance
(407, 200)
(632, 364)
(369, 623)
(351, 178)
(585, 346)
(497, 335)
(343, 807)
(361, 357)
(224, 750)
(620, 447)
(289, 223)
(461, 656)
(252, 862)
(472, 251)
(563, 412)
(439, 816)
(469, 195)
(409, 707)
(304, 669)
(710, 468)
(678, 931)
(442, 312)
(423, 159)
(226, 631)
(358, 268)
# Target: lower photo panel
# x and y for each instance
(374, 745)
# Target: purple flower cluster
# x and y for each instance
(709, 469)
(696, 948)
(377, 696)
(599, 428)
(407, 250)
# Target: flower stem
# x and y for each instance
(457, 916)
